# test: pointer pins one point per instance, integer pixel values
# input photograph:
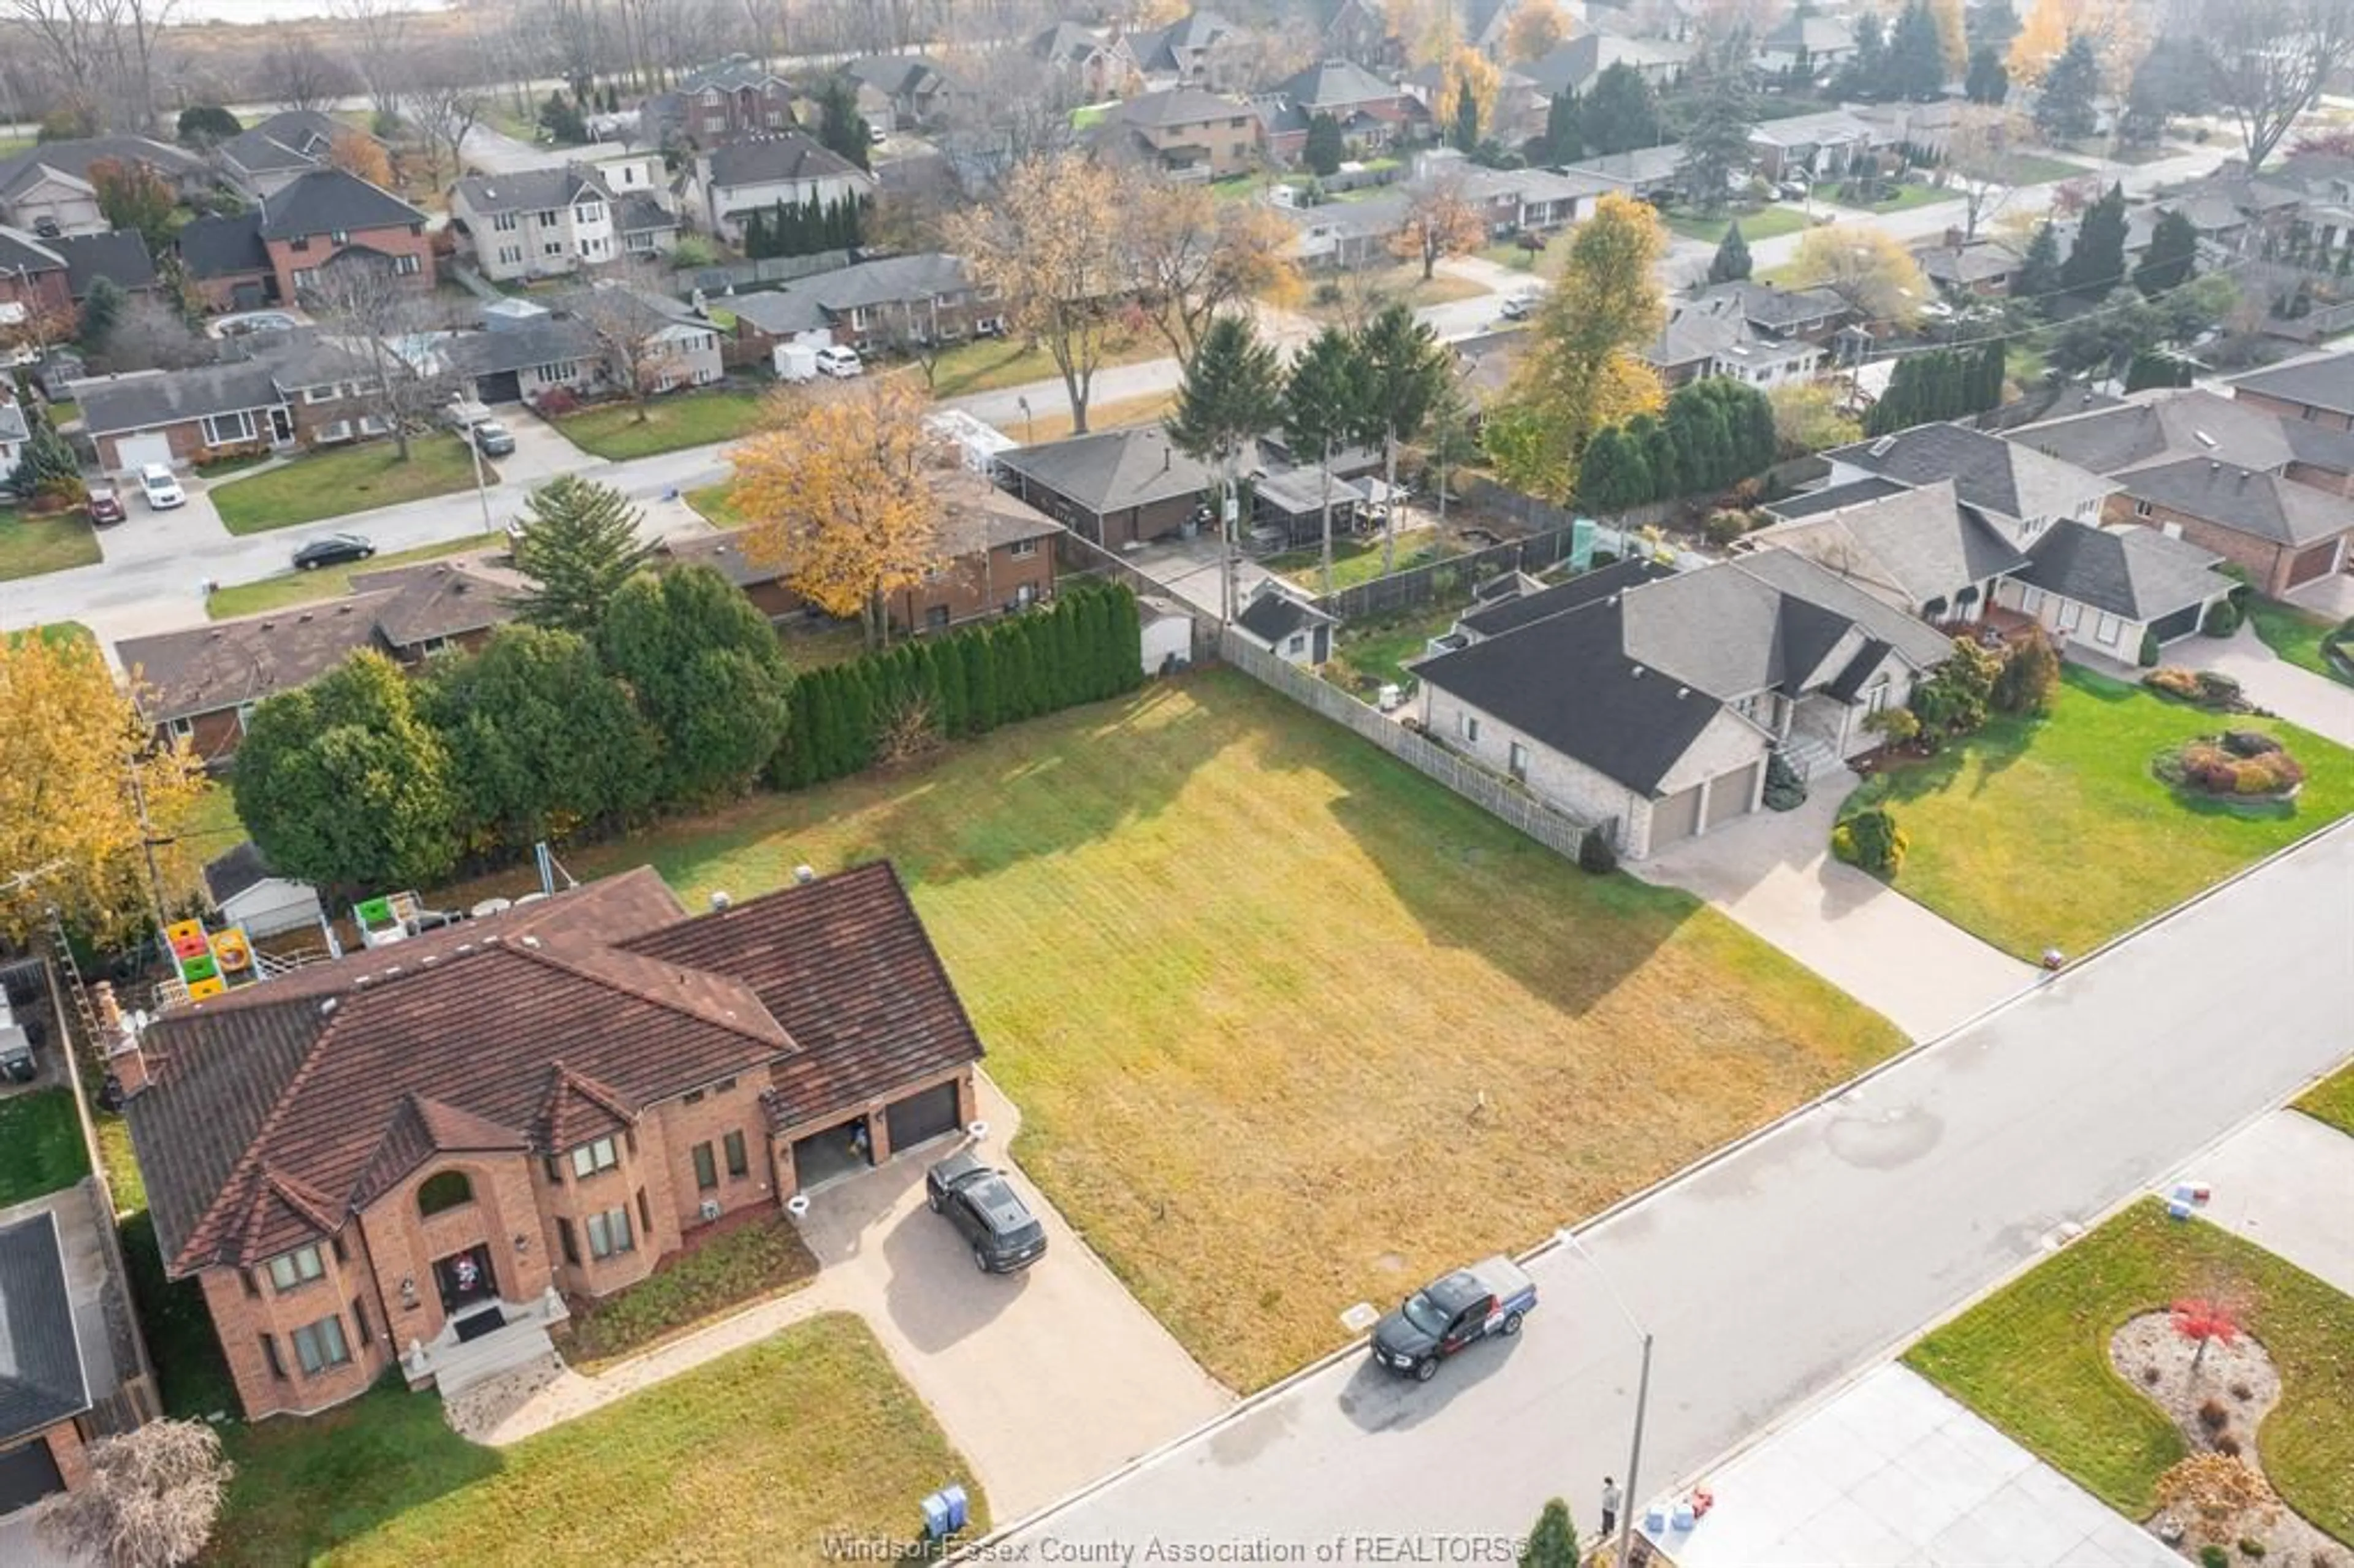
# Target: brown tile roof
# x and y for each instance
(207, 668)
(846, 965)
(278, 1108)
(441, 598)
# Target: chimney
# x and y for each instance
(125, 1062)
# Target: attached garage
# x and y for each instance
(920, 1118)
(500, 387)
(1730, 795)
(1675, 818)
(2309, 564)
(132, 453)
(28, 1473)
(2181, 623)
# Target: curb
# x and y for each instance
(979, 1548)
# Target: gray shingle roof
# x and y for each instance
(74, 158)
(228, 875)
(329, 201)
(1275, 615)
(12, 422)
(294, 139)
(42, 1379)
(1808, 503)
(532, 190)
(22, 249)
(548, 341)
(1329, 85)
(2244, 500)
(638, 213)
(804, 305)
(2137, 573)
(786, 156)
(1110, 471)
(2194, 423)
(148, 400)
(121, 255)
(1175, 106)
(223, 246)
(2323, 382)
(2004, 477)
(1917, 544)
(1578, 591)
(205, 668)
(440, 599)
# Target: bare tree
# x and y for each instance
(444, 113)
(376, 30)
(77, 36)
(1982, 161)
(151, 1498)
(1008, 109)
(150, 335)
(626, 312)
(295, 71)
(2267, 61)
(368, 310)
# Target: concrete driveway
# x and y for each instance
(2283, 1181)
(2319, 703)
(1774, 873)
(1892, 1471)
(1044, 1380)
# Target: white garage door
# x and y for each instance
(133, 452)
(1675, 819)
(1729, 794)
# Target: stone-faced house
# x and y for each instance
(406, 1157)
(1651, 708)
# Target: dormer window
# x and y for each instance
(290, 1269)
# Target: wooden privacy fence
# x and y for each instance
(1549, 825)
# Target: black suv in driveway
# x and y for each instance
(1005, 1235)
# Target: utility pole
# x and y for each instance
(1634, 1497)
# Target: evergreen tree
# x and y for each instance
(578, 544)
(1865, 73)
(1463, 134)
(795, 764)
(1916, 55)
(2038, 277)
(2064, 109)
(2097, 262)
(1406, 371)
(2172, 257)
(1730, 263)
(1326, 407)
(1660, 457)
(1613, 476)
(1565, 141)
(205, 126)
(1554, 1543)
(841, 128)
(982, 680)
(706, 670)
(1991, 26)
(562, 121)
(1716, 144)
(1988, 81)
(1994, 367)
(948, 677)
(1620, 114)
(1324, 149)
(1696, 428)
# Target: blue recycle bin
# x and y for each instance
(946, 1511)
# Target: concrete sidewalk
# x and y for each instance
(1774, 873)
(1043, 1380)
(1892, 1471)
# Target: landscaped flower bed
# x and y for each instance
(2240, 764)
(2206, 688)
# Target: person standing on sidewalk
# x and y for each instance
(1609, 1508)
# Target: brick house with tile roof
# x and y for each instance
(360, 1162)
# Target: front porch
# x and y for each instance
(1989, 625)
(471, 1348)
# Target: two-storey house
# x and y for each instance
(1184, 132)
(537, 223)
(728, 100)
(318, 216)
(728, 184)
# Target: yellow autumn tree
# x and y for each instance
(77, 763)
(1195, 256)
(1868, 268)
(841, 491)
(1427, 29)
(1951, 34)
(2119, 33)
(362, 155)
(1468, 72)
(1583, 369)
(1439, 221)
(1535, 30)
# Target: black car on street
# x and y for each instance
(332, 551)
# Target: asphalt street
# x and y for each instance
(1798, 1260)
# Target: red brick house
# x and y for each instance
(2318, 390)
(327, 213)
(726, 102)
(284, 391)
(408, 1157)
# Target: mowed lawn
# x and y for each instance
(2296, 634)
(40, 1143)
(2034, 1358)
(1290, 1026)
(2332, 1100)
(614, 430)
(345, 479)
(758, 1457)
(30, 546)
(330, 582)
(2055, 833)
(1762, 222)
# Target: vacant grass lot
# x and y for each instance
(40, 1142)
(2295, 635)
(1364, 292)
(2040, 169)
(682, 420)
(329, 582)
(986, 363)
(1763, 223)
(2332, 1100)
(1050, 415)
(345, 479)
(757, 1256)
(1290, 1026)
(2054, 833)
(757, 1457)
(32, 546)
(2034, 1359)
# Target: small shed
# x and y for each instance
(1286, 625)
(1168, 634)
(247, 894)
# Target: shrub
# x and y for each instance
(1897, 726)
(2214, 1416)
(2217, 690)
(2251, 1547)
(1596, 854)
(693, 251)
(1601, 558)
(2226, 1445)
(558, 401)
(2149, 649)
(1724, 526)
(2174, 681)
(1872, 840)
(1784, 790)
(2248, 743)
(2216, 767)
(385, 125)
(2031, 675)
(2214, 1557)
(2222, 619)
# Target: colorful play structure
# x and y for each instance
(210, 962)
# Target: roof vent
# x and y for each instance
(1881, 447)
(804, 875)
(2214, 467)
(465, 948)
(428, 961)
(530, 941)
(720, 900)
(1682, 692)
(1635, 672)
(2204, 438)
(393, 974)
(302, 618)
(326, 1007)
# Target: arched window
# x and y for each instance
(444, 1190)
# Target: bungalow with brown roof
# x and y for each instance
(411, 1158)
